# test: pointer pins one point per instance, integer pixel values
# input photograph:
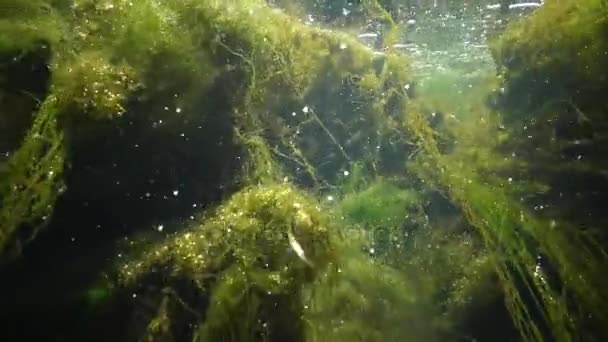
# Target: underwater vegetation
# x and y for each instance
(520, 189)
(242, 257)
(255, 177)
(382, 203)
(557, 130)
(103, 79)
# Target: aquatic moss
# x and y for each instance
(552, 66)
(306, 104)
(382, 203)
(94, 71)
(24, 24)
(422, 288)
(557, 53)
(94, 86)
(117, 57)
(317, 72)
(363, 299)
(516, 238)
(243, 255)
(32, 179)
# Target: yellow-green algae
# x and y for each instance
(476, 177)
(552, 67)
(285, 79)
(242, 259)
(32, 177)
(103, 54)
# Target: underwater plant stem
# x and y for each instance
(245, 59)
(329, 134)
(391, 37)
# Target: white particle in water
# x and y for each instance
(343, 46)
(305, 109)
(346, 173)
(160, 227)
(178, 110)
(330, 198)
(175, 193)
(372, 251)
(293, 114)
(510, 180)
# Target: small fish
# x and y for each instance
(295, 245)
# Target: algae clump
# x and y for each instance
(382, 203)
(242, 259)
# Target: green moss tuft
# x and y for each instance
(224, 256)
(382, 204)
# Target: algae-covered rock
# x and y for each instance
(258, 249)
(553, 67)
(530, 184)
(555, 56)
(158, 108)
(238, 92)
(268, 264)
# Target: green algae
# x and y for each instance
(306, 104)
(222, 256)
(382, 203)
(557, 57)
(529, 55)
(366, 300)
(471, 176)
(110, 52)
(271, 293)
(536, 256)
(32, 177)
